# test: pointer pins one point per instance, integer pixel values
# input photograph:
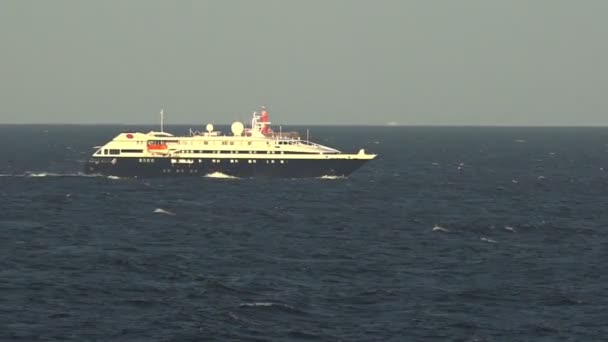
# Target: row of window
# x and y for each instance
(194, 170)
(118, 152)
(217, 161)
(186, 142)
(225, 143)
(242, 152)
(180, 170)
(115, 152)
(250, 161)
(160, 142)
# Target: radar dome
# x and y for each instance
(209, 128)
(237, 128)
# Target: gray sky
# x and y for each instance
(480, 62)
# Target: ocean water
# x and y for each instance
(452, 234)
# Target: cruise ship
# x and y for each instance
(255, 151)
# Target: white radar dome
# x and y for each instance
(237, 128)
(209, 128)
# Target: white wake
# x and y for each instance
(163, 211)
(332, 177)
(220, 175)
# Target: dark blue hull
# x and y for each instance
(163, 167)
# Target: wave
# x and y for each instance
(163, 211)
(438, 228)
(241, 319)
(19, 224)
(332, 177)
(259, 304)
(42, 174)
(220, 175)
(113, 177)
(274, 306)
(487, 240)
(48, 174)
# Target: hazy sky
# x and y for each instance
(481, 62)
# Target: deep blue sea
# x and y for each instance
(451, 234)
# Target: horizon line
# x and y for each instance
(321, 125)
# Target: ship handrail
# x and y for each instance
(313, 144)
(307, 143)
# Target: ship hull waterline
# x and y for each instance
(168, 167)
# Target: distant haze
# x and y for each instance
(477, 62)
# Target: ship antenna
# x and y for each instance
(162, 119)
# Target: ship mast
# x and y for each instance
(162, 119)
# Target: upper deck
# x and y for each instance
(258, 139)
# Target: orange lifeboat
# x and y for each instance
(157, 146)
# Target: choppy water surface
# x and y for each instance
(468, 234)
